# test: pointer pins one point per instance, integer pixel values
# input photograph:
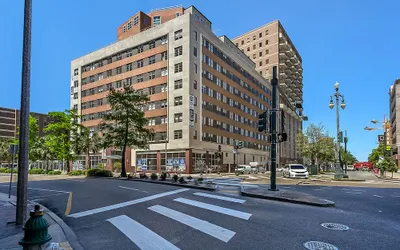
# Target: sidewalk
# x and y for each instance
(10, 234)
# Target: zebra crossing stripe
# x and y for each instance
(206, 227)
(218, 197)
(143, 237)
(218, 209)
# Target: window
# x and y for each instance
(248, 48)
(178, 51)
(195, 51)
(119, 70)
(152, 90)
(178, 84)
(267, 61)
(242, 42)
(152, 59)
(177, 14)
(195, 68)
(119, 57)
(266, 42)
(130, 25)
(254, 46)
(260, 64)
(195, 35)
(152, 75)
(260, 45)
(266, 32)
(164, 72)
(124, 28)
(178, 101)
(140, 49)
(139, 63)
(254, 56)
(260, 35)
(267, 52)
(135, 20)
(260, 53)
(164, 88)
(129, 67)
(178, 67)
(260, 72)
(76, 72)
(195, 84)
(109, 73)
(75, 96)
(139, 78)
(152, 45)
(164, 104)
(177, 117)
(178, 35)
(75, 106)
(119, 84)
(128, 81)
(164, 120)
(254, 37)
(76, 83)
(156, 20)
(152, 106)
(164, 56)
(177, 134)
(195, 134)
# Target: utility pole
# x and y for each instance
(274, 83)
(23, 160)
(345, 151)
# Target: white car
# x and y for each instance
(295, 171)
(243, 169)
(350, 168)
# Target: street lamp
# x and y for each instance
(385, 126)
(337, 97)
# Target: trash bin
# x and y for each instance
(312, 170)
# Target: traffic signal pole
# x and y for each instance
(274, 83)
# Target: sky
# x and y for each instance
(356, 43)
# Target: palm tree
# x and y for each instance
(90, 143)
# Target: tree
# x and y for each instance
(347, 157)
(62, 135)
(124, 125)
(375, 155)
(315, 144)
(387, 164)
(33, 141)
(5, 155)
(89, 143)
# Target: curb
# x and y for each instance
(161, 183)
(287, 200)
(346, 179)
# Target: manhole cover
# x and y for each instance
(335, 226)
(318, 245)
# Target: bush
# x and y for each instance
(103, 173)
(182, 180)
(175, 177)
(143, 176)
(200, 179)
(100, 166)
(36, 171)
(3, 170)
(54, 172)
(75, 172)
(154, 176)
(189, 177)
(117, 167)
(8, 170)
(163, 176)
(92, 172)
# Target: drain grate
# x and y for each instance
(319, 245)
(335, 226)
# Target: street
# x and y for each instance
(114, 214)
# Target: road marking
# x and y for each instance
(236, 185)
(143, 237)
(35, 198)
(397, 196)
(69, 204)
(319, 189)
(218, 209)
(44, 189)
(206, 227)
(124, 204)
(379, 196)
(134, 189)
(224, 198)
(353, 193)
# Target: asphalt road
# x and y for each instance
(111, 214)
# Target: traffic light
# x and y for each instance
(282, 121)
(262, 121)
(341, 137)
(240, 144)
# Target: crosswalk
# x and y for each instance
(145, 238)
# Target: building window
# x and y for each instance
(177, 14)
(119, 70)
(195, 35)
(124, 28)
(178, 67)
(260, 35)
(266, 32)
(178, 51)
(119, 84)
(260, 53)
(139, 64)
(260, 45)
(195, 51)
(178, 100)
(75, 96)
(248, 48)
(164, 104)
(164, 56)
(177, 134)
(139, 78)
(152, 59)
(152, 45)
(152, 75)
(267, 52)
(242, 42)
(164, 88)
(76, 72)
(140, 49)
(254, 56)
(178, 84)
(129, 67)
(135, 20)
(254, 37)
(75, 106)
(195, 84)
(267, 61)
(254, 46)
(130, 25)
(156, 20)
(260, 72)
(178, 35)
(195, 134)
(109, 73)
(76, 83)
(128, 81)
(164, 72)
(177, 117)
(195, 68)
(266, 42)
(260, 63)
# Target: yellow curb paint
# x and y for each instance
(69, 204)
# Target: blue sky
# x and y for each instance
(354, 42)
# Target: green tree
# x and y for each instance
(5, 156)
(63, 135)
(33, 141)
(117, 166)
(375, 155)
(347, 157)
(387, 164)
(89, 143)
(124, 125)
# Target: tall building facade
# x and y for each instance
(394, 107)
(268, 46)
(9, 122)
(205, 93)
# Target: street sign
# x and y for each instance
(13, 149)
(381, 138)
(388, 148)
(234, 151)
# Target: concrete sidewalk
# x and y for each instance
(62, 236)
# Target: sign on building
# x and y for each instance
(381, 138)
(191, 110)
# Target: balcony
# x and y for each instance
(282, 56)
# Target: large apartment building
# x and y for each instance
(205, 93)
(394, 107)
(268, 46)
(9, 122)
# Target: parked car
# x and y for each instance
(295, 171)
(350, 168)
(243, 169)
